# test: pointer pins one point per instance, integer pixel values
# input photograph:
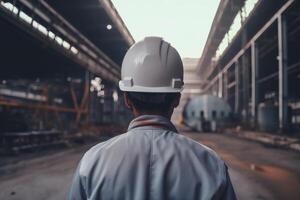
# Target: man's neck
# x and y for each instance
(166, 115)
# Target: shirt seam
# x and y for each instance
(151, 165)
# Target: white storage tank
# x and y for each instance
(206, 113)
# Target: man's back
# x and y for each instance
(151, 161)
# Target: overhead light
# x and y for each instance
(109, 27)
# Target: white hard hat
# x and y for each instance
(152, 65)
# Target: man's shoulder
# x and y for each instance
(202, 155)
(94, 153)
(104, 144)
(198, 148)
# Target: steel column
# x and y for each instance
(254, 74)
(225, 86)
(237, 83)
(253, 39)
(283, 75)
(220, 91)
(245, 64)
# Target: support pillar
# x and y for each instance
(254, 88)
(225, 86)
(237, 83)
(244, 80)
(220, 91)
(245, 87)
(283, 74)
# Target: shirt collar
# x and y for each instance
(153, 121)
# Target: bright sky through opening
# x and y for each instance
(183, 23)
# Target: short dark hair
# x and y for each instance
(152, 102)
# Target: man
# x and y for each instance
(152, 160)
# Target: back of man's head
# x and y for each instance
(152, 76)
(153, 102)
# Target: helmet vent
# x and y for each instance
(176, 83)
(128, 82)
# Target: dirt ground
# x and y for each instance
(257, 171)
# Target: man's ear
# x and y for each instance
(127, 101)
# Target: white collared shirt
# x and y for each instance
(151, 161)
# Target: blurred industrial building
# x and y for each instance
(60, 69)
(251, 60)
(60, 65)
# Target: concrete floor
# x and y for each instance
(257, 171)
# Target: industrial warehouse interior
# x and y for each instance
(61, 72)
